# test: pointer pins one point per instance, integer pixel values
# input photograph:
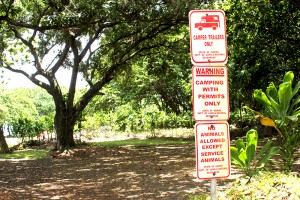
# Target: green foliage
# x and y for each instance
(129, 118)
(28, 111)
(18, 103)
(263, 40)
(283, 106)
(26, 128)
(154, 93)
(46, 123)
(3, 114)
(42, 101)
(244, 155)
(151, 94)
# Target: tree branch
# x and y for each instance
(95, 88)
(30, 77)
(89, 43)
(61, 59)
(31, 48)
(75, 68)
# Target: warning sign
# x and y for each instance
(208, 37)
(210, 93)
(212, 150)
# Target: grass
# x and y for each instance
(37, 154)
(26, 154)
(144, 142)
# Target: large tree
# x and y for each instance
(97, 38)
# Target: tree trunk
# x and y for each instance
(3, 143)
(64, 124)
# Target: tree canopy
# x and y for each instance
(97, 38)
(263, 43)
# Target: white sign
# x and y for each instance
(212, 150)
(208, 37)
(210, 93)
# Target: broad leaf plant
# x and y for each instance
(282, 108)
(245, 156)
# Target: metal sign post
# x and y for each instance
(213, 189)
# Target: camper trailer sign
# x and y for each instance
(208, 37)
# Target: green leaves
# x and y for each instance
(282, 105)
(252, 28)
(260, 96)
(240, 144)
(285, 96)
(268, 155)
(279, 102)
(28, 110)
(244, 155)
(252, 138)
(288, 77)
(3, 114)
(272, 92)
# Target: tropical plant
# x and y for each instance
(244, 155)
(282, 111)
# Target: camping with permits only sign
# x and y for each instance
(208, 42)
(210, 93)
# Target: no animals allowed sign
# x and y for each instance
(212, 150)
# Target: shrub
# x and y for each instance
(282, 111)
(244, 155)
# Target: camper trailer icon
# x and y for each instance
(208, 21)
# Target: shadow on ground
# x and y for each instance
(155, 172)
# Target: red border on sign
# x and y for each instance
(191, 46)
(197, 156)
(193, 95)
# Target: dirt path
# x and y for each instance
(155, 172)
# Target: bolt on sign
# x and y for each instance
(210, 93)
(212, 150)
(208, 37)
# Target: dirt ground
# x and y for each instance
(144, 172)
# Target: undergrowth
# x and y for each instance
(267, 185)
